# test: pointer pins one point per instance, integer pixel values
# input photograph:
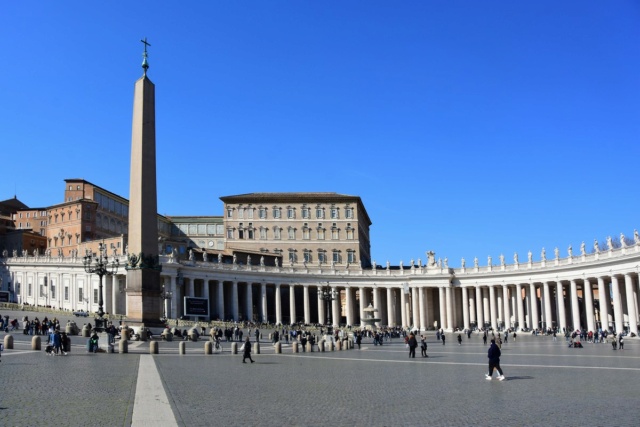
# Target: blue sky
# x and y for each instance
(468, 128)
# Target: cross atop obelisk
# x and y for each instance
(145, 56)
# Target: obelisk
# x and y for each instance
(144, 304)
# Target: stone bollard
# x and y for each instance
(86, 332)
(193, 336)
(321, 345)
(278, 348)
(123, 346)
(208, 347)
(294, 346)
(234, 348)
(8, 342)
(124, 333)
(270, 337)
(256, 348)
(181, 347)
(36, 343)
(331, 346)
(153, 347)
(309, 347)
(68, 329)
(345, 344)
(338, 345)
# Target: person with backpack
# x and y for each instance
(494, 361)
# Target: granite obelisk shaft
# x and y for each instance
(144, 304)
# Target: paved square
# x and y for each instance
(547, 384)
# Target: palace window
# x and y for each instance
(348, 213)
(322, 257)
(263, 233)
(277, 233)
(240, 213)
(336, 256)
(319, 213)
(229, 212)
(229, 233)
(306, 234)
(320, 233)
(80, 295)
(291, 232)
(305, 212)
(351, 256)
(307, 255)
(291, 213)
(276, 212)
(334, 213)
(349, 232)
(292, 256)
(262, 213)
(250, 213)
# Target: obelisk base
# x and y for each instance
(144, 302)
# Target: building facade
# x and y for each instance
(304, 228)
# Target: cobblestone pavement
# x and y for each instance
(547, 384)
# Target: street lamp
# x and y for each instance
(99, 264)
(165, 295)
(327, 294)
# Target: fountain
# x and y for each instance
(369, 321)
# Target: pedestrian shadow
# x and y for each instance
(522, 377)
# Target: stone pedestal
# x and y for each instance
(256, 348)
(309, 347)
(153, 347)
(234, 348)
(8, 342)
(278, 348)
(294, 346)
(36, 343)
(208, 347)
(123, 346)
(321, 345)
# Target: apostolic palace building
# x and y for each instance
(267, 256)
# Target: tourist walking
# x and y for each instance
(247, 351)
(459, 339)
(412, 343)
(423, 346)
(494, 361)
(442, 338)
(621, 342)
(484, 338)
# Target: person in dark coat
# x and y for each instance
(412, 343)
(494, 361)
(423, 346)
(247, 351)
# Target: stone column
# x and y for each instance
(479, 308)
(535, 320)
(278, 304)
(335, 307)
(443, 308)
(349, 302)
(499, 305)
(292, 304)
(562, 317)
(423, 312)
(507, 308)
(263, 302)
(617, 305)
(575, 308)
(403, 308)
(631, 306)
(604, 304)
(234, 301)
(588, 302)
(519, 305)
(221, 300)
(376, 302)
(363, 303)
(472, 307)
(485, 305)
(547, 305)
(249, 302)
(390, 308)
(190, 289)
(492, 307)
(307, 309)
(415, 303)
(322, 316)
(449, 301)
(465, 308)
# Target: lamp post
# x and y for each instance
(165, 295)
(99, 264)
(327, 294)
